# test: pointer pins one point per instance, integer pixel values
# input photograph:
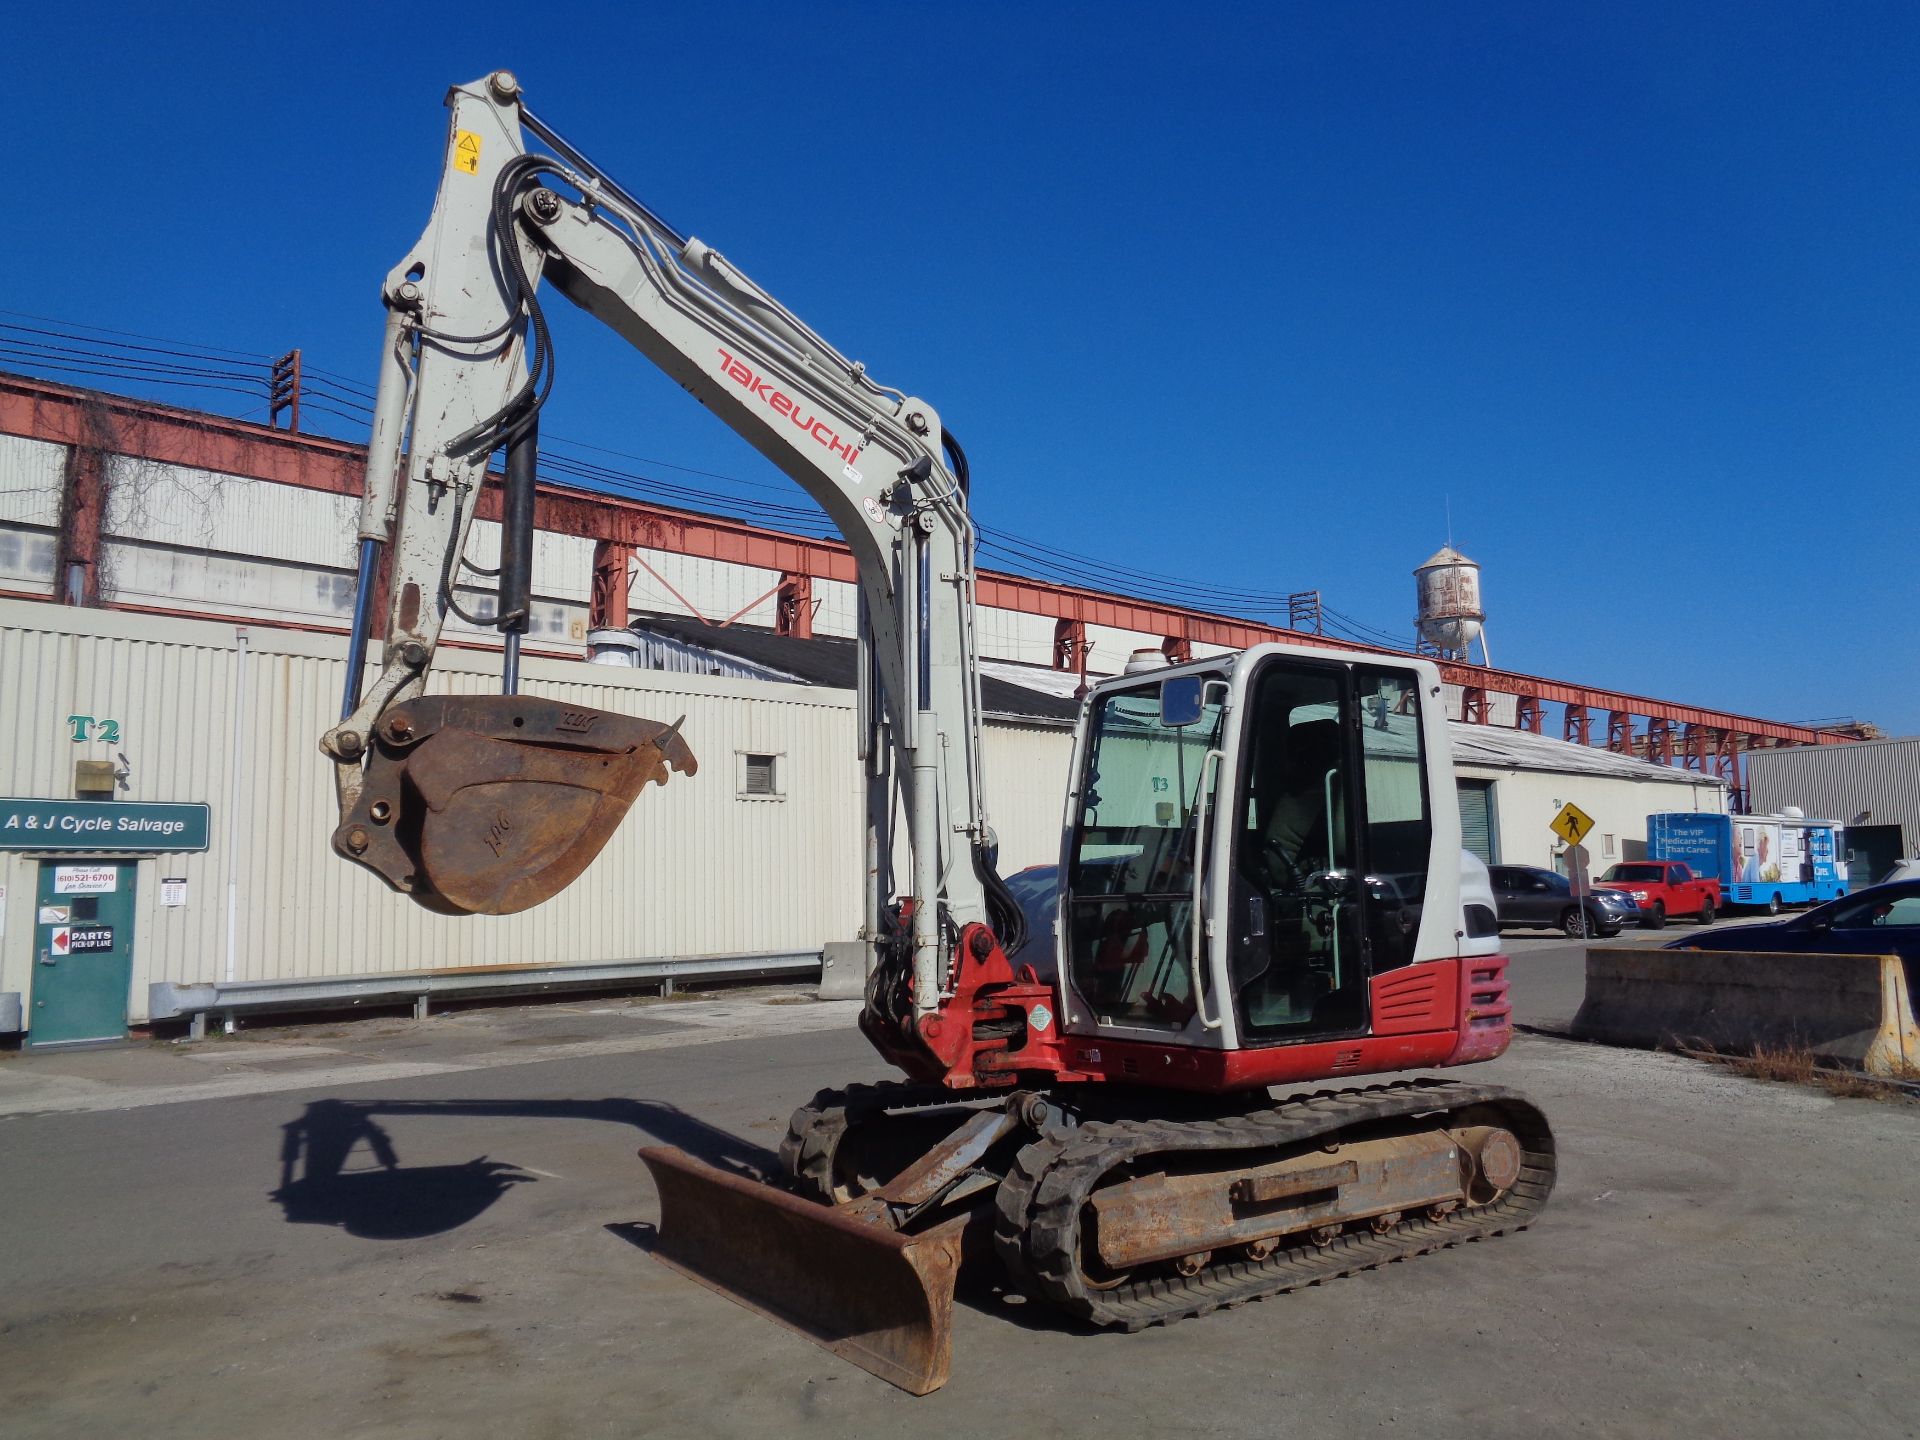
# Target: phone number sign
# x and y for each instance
(115, 826)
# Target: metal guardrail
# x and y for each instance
(168, 1000)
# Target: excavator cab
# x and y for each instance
(1254, 844)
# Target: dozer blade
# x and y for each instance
(488, 804)
(875, 1297)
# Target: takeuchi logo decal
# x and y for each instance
(786, 406)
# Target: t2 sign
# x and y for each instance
(84, 728)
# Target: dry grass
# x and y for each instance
(1847, 1084)
(1797, 1065)
(1790, 1064)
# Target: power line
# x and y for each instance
(106, 373)
(134, 335)
(1358, 630)
(1265, 598)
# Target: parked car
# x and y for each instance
(1661, 888)
(1529, 896)
(1880, 920)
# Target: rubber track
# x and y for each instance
(817, 1127)
(1039, 1205)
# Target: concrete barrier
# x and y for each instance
(844, 967)
(1854, 1009)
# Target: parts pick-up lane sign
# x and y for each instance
(81, 939)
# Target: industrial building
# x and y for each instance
(173, 591)
(1872, 787)
(755, 857)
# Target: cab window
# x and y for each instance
(1130, 880)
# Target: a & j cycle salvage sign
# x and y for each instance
(114, 826)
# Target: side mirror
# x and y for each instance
(1182, 699)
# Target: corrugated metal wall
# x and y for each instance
(169, 699)
(1027, 767)
(693, 871)
(696, 869)
(1838, 782)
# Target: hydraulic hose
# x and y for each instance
(1009, 921)
(957, 458)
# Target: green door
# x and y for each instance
(1476, 818)
(82, 951)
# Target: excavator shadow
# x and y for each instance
(323, 1181)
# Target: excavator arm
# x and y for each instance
(495, 803)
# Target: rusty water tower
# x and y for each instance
(1450, 618)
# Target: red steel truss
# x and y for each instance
(96, 424)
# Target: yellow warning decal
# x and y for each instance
(466, 151)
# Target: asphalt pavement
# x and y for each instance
(401, 1228)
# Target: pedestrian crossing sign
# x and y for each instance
(1572, 823)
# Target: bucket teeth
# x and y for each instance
(489, 804)
(871, 1295)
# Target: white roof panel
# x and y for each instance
(1498, 748)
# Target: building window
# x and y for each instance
(334, 592)
(1606, 847)
(760, 777)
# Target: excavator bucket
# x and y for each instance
(488, 804)
(871, 1295)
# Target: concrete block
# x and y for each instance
(9, 1012)
(844, 967)
(1854, 1009)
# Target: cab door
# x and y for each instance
(1331, 845)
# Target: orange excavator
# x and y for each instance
(1260, 884)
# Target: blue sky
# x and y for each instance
(1245, 295)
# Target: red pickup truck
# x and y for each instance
(1663, 888)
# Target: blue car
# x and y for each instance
(1881, 920)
